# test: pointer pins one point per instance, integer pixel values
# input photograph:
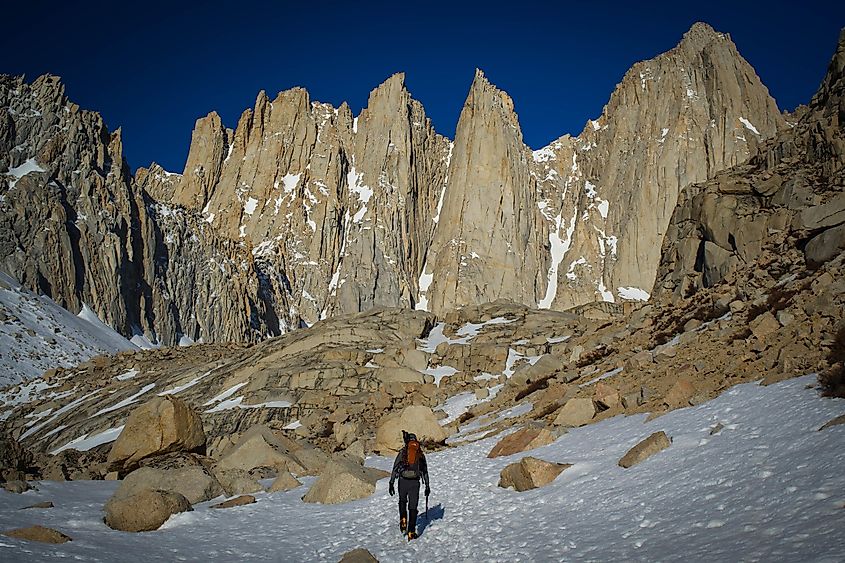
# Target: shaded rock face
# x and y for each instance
(304, 211)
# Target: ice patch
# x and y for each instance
(250, 205)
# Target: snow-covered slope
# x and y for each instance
(36, 334)
(767, 486)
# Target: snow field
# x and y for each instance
(768, 486)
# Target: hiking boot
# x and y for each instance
(412, 536)
(403, 524)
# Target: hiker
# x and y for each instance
(409, 466)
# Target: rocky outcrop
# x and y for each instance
(303, 211)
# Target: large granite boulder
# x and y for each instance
(162, 425)
(530, 473)
(417, 419)
(143, 511)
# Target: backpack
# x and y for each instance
(411, 463)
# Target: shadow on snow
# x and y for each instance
(433, 513)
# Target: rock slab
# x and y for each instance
(653, 444)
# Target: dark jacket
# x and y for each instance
(397, 466)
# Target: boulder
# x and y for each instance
(530, 473)
(261, 447)
(284, 482)
(606, 395)
(237, 501)
(195, 483)
(764, 325)
(576, 412)
(823, 216)
(162, 425)
(16, 486)
(824, 247)
(680, 394)
(645, 449)
(39, 534)
(417, 419)
(522, 440)
(237, 482)
(342, 481)
(633, 399)
(144, 510)
(359, 555)
(45, 504)
(545, 367)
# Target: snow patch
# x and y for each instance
(633, 293)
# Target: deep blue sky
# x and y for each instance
(155, 67)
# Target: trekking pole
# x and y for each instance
(426, 510)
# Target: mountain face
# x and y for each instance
(304, 211)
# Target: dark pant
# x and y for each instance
(409, 497)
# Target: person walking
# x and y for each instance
(410, 465)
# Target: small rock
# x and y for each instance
(764, 325)
(737, 306)
(522, 440)
(691, 325)
(359, 555)
(237, 501)
(785, 318)
(112, 476)
(45, 504)
(645, 449)
(38, 533)
(833, 422)
(482, 393)
(284, 482)
(680, 393)
(633, 399)
(716, 429)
